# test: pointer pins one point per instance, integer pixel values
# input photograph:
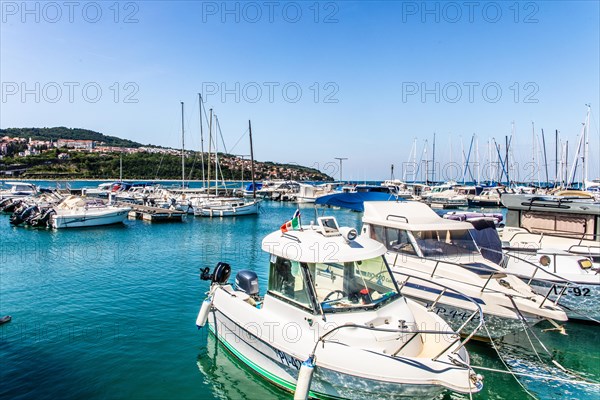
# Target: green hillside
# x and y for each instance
(61, 132)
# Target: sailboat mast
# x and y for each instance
(433, 159)
(209, 149)
(216, 161)
(556, 156)
(201, 138)
(182, 150)
(252, 160)
(586, 148)
(545, 159)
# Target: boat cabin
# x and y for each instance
(414, 229)
(325, 269)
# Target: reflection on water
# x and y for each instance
(228, 377)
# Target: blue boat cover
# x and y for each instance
(353, 201)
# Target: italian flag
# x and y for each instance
(294, 223)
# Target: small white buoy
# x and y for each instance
(203, 313)
(304, 379)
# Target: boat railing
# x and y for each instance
(560, 234)
(456, 335)
(558, 288)
(492, 273)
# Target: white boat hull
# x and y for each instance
(226, 211)
(282, 369)
(83, 220)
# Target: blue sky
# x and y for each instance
(372, 76)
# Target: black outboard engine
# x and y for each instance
(22, 214)
(42, 219)
(12, 205)
(220, 274)
(247, 281)
(4, 203)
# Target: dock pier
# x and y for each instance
(153, 214)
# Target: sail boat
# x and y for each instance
(232, 207)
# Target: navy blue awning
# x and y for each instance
(353, 201)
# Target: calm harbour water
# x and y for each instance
(109, 313)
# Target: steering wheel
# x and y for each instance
(334, 292)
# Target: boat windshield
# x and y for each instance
(445, 243)
(287, 281)
(353, 285)
(438, 243)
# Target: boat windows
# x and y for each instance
(445, 243)
(286, 280)
(394, 239)
(353, 285)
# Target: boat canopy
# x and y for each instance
(409, 215)
(353, 201)
(310, 245)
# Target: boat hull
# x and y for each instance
(88, 220)
(250, 209)
(282, 369)
(579, 301)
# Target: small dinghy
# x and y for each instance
(5, 319)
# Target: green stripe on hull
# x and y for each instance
(282, 383)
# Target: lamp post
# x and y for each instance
(341, 159)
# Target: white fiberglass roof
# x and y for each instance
(409, 215)
(311, 246)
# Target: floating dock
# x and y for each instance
(154, 214)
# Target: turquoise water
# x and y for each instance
(109, 313)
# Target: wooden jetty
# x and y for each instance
(154, 214)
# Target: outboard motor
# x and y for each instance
(247, 281)
(220, 274)
(42, 219)
(4, 203)
(12, 205)
(21, 214)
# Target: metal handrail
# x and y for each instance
(560, 234)
(567, 283)
(387, 218)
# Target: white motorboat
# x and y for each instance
(332, 323)
(232, 207)
(79, 212)
(309, 193)
(488, 197)
(436, 251)
(18, 190)
(552, 241)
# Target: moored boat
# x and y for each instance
(332, 323)
(437, 251)
(79, 212)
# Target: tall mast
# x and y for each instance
(252, 160)
(556, 156)
(586, 148)
(182, 151)
(532, 148)
(545, 159)
(566, 162)
(209, 149)
(201, 138)
(216, 161)
(433, 159)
